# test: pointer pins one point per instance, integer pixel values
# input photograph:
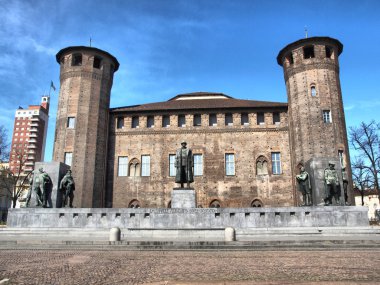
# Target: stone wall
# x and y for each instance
(247, 143)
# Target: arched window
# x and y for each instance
(215, 204)
(313, 91)
(261, 165)
(134, 167)
(134, 204)
(256, 203)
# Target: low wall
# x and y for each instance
(194, 218)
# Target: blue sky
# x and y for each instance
(168, 47)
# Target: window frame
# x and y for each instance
(122, 167)
(68, 158)
(71, 122)
(198, 164)
(172, 168)
(229, 165)
(145, 165)
(326, 115)
(276, 163)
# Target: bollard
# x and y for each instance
(229, 234)
(115, 234)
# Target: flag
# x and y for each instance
(52, 85)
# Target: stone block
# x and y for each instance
(183, 198)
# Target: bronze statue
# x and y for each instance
(41, 186)
(67, 186)
(304, 186)
(184, 163)
(29, 195)
(332, 187)
(345, 185)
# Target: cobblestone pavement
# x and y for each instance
(190, 267)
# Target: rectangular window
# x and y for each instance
(328, 52)
(244, 119)
(97, 61)
(308, 52)
(181, 121)
(260, 119)
(326, 116)
(71, 122)
(68, 158)
(135, 122)
(276, 163)
(76, 60)
(212, 120)
(172, 170)
(341, 158)
(145, 165)
(276, 118)
(197, 120)
(198, 164)
(230, 164)
(228, 119)
(150, 122)
(165, 121)
(122, 166)
(120, 122)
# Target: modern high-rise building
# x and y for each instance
(29, 136)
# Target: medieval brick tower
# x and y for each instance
(317, 126)
(86, 77)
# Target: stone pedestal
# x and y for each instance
(184, 198)
(56, 171)
(316, 168)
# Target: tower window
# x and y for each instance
(289, 58)
(68, 158)
(120, 122)
(122, 167)
(97, 62)
(276, 118)
(71, 122)
(313, 91)
(181, 121)
(150, 122)
(228, 119)
(326, 116)
(197, 120)
(308, 52)
(260, 119)
(244, 119)
(76, 60)
(135, 122)
(172, 169)
(328, 51)
(165, 121)
(212, 120)
(145, 165)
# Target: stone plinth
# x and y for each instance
(56, 171)
(316, 169)
(183, 198)
(190, 218)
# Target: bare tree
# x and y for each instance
(362, 177)
(16, 181)
(365, 141)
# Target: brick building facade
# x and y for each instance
(246, 152)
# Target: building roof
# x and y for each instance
(200, 100)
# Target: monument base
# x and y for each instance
(184, 198)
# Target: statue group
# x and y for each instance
(41, 185)
(332, 191)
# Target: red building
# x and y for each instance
(29, 136)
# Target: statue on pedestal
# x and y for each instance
(184, 163)
(304, 186)
(67, 186)
(332, 187)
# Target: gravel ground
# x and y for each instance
(317, 266)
